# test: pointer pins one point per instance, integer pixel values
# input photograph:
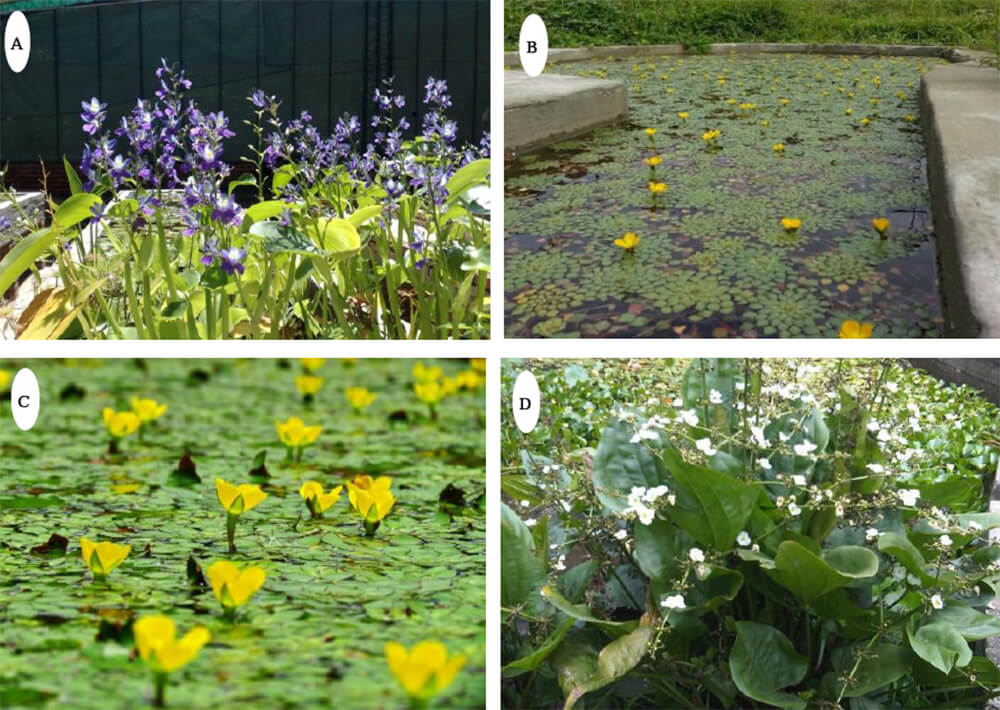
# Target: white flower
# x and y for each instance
(805, 448)
(883, 435)
(871, 534)
(531, 522)
(674, 602)
(561, 563)
(740, 386)
(703, 571)
(937, 602)
(908, 496)
(794, 509)
(743, 539)
(876, 468)
(654, 493)
(705, 446)
(635, 496)
(799, 480)
(688, 416)
(715, 397)
(565, 505)
(645, 514)
(755, 547)
(525, 504)
(643, 434)
(783, 437)
(696, 554)
(839, 510)
(764, 464)
(945, 540)
(621, 534)
(758, 435)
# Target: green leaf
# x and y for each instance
(614, 661)
(660, 549)
(266, 210)
(940, 644)
(809, 576)
(619, 465)
(278, 239)
(890, 662)
(521, 574)
(973, 625)
(467, 176)
(337, 237)
(534, 659)
(712, 506)
(74, 210)
(906, 553)
(363, 215)
(988, 521)
(986, 672)
(244, 180)
(763, 661)
(721, 586)
(75, 186)
(581, 612)
(23, 254)
(283, 176)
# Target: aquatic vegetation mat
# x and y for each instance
(102, 466)
(718, 151)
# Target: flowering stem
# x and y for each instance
(159, 690)
(209, 314)
(231, 531)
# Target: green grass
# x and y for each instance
(696, 23)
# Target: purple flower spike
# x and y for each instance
(227, 211)
(232, 260)
(93, 115)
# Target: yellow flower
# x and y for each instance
(791, 224)
(710, 136)
(318, 501)
(5, 378)
(232, 587)
(428, 392)
(653, 161)
(422, 373)
(881, 225)
(848, 111)
(784, 102)
(683, 115)
(373, 504)
(102, 557)
(294, 433)
(238, 499)
(364, 482)
(854, 329)
(155, 638)
(765, 123)
(778, 147)
(873, 101)
(425, 670)
(628, 242)
(359, 397)
(731, 102)
(748, 106)
(147, 409)
(909, 118)
(308, 385)
(657, 187)
(478, 364)
(120, 424)
(469, 380)
(865, 121)
(311, 364)
(650, 132)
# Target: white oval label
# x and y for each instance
(24, 399)
(17, 42)
(533, 45)
(526, 402)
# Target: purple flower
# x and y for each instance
(226, 211)
(119, 168)
(93, 115)
(260, 99)
(232, 260)
(4, 223)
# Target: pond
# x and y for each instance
(332, 597)
(833, 141)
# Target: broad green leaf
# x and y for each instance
(987, 521)
(614, 661)
(74, 210)
(521, 574)
(534, 659)
(940, 644)
(661, 549)
(712, 506)
(763, 661)
(364, 215)
(581, 612)
(619, 465)
(278, 239)
(467, 176)
(23, 254)
(283, 176)
(704, 375)
(266, 210)
(973, 625)
(244, 180)
(986, 672)
(337, 237)
(517, 487)
(721, 586)
(906, 553)
(809, 576)
(890, 663)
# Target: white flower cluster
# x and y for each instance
(646, 429)
(642, 502)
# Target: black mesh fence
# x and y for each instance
(324, 56)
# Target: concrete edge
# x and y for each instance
(577, 54)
